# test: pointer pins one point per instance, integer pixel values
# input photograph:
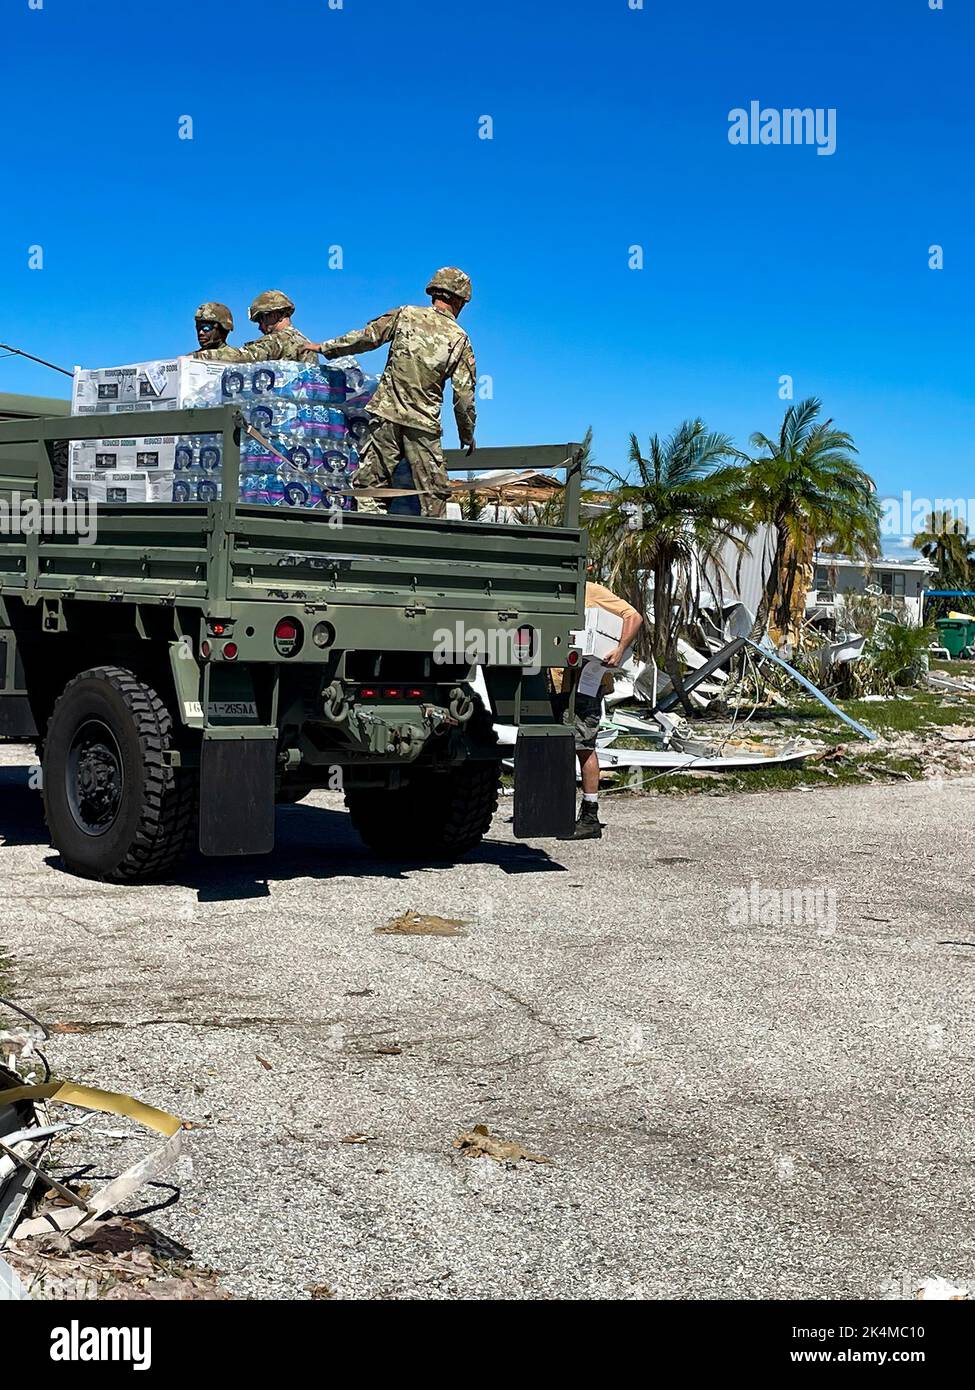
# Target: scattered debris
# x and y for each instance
(389, 1051)
(936, 1288)
(120, 1258)
(118, 1189)
(479, 1143)
(319, 1291)
(268, 1066)
(410, 923)
(356, 1139)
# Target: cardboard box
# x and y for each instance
(601, 634)
(140, 386)
(120, 485)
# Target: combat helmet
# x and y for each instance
(269, 303)
(452, 281)
(212, 312)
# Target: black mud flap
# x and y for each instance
(237, 796)
(545, 782)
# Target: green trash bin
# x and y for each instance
(954, 634)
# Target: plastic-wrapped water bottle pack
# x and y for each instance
(196, 468)
(309, 420)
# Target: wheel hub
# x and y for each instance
(94, 778)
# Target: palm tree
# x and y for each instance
(806, 486)
(666, 526)
(946, 543)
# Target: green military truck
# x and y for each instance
(195, 663)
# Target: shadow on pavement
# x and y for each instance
(312, 842)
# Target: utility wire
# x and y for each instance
(18, 352)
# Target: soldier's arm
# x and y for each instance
(464, 378)
(375, 333)
(220, 355)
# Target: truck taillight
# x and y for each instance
(287, 637)
(573, 657)
(524, 643)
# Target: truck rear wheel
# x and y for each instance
(438, 815)
(115, 808)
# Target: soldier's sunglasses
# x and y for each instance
(206, 324)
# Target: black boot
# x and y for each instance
(588, 826)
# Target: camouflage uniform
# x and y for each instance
(427, 346)
(284, 345)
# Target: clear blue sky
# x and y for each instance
(359, 127)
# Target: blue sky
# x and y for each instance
(359, 127)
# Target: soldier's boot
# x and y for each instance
(588, 826)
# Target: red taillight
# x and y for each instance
(414, 693)
(524, 643)
(573, 658)
(204, 648)
(393, 692)
(368, 692)
(287, 637)
(217, 629)
(230, 651)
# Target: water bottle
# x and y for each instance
(265, 379)
(336, 427)
(273, 490)
(296, 494)
(234, 384)
(357, 423)
(209, 458)
(250, 487)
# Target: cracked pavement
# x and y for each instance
(737, 1104)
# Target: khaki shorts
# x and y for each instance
(589, 709)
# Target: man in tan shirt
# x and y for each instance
(588, 707)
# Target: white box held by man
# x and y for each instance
(601, 635)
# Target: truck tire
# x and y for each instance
(115, 809)
(438, 815)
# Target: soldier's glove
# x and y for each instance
(469, 448)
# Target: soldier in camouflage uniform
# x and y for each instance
(427, 346)
(214, 323)
(280, 341)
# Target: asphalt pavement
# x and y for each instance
(741, 1028)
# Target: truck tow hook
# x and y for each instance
(461, 705)
(335, 704)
